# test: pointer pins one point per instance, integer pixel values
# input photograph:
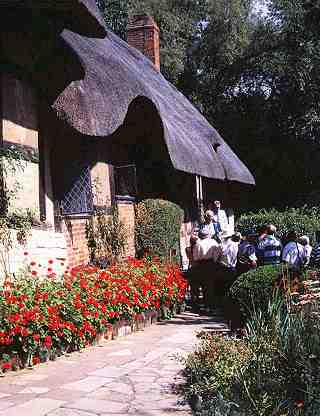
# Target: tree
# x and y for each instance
(178, 21)
(256, 78)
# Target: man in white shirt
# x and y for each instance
(230, 252)
(220, 216)
(293, 253)
(206, 248)
(206, 252)
(305, 242)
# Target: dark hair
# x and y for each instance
(317, 236)
(291, 236)
(261, 229)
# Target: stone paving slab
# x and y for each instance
(135, 376)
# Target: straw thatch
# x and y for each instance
(109, 87)
(115, 75)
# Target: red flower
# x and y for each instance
(33, 263)
(47, 341)
(6, 366)
(49, 270)
(50, 261)
(24, 332)
(34, 273)
(35, 360)
(25, 253)
(36, 337)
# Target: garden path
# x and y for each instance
(137, 375)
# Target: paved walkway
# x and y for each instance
(136, 375)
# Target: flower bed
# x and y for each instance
(42, 318)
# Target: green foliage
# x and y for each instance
(272, 371)
(305, 221)
(256, 287)
(106, 237)
(115, 13)
(265, 94)
(178, 22)
(158, 225)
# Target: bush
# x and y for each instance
(256, 286)
(305, 221)
(274, 370)
(158, 224)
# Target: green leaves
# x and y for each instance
(158, 225)
(305, 221)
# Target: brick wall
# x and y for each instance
(75, 233)
(143, 34)
(127, 216)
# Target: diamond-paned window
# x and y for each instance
(78, 198)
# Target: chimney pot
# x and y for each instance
(143, 34)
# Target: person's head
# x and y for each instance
(208, 216)
(262, 229)
(214, 205)
(318, 236)
(292, 236)
(203, 234)
(271, 229)
(304, 240)
(252, 238)
(236, 237)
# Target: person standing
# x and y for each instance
(206, 252)
(226, 269)
(269, 247)
(247, 258)
(293, 253)
(230, 252)
(220, 216)
(305, 242)
(209, 226)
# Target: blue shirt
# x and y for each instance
(269, 250)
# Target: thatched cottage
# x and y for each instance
(98, 123)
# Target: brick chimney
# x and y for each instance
(143, 34)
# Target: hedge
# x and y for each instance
(255, 288)
(158, 224)
(305, 221)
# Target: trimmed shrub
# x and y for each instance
(303, 220)
(158, 224)
(256, 286)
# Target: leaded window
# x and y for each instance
(78, 198)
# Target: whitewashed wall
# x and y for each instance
(46, 248)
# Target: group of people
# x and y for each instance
(218, 256)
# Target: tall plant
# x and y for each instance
(106, 237)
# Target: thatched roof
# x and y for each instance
(115, 75)
(80, 16)
(108, 86)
